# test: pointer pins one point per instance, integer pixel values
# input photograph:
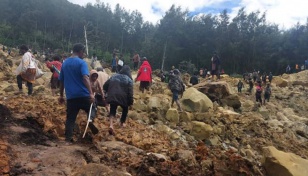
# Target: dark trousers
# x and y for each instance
(135, 65)
(113, 111)
(72, 108)
(29, 85)
(239, 89)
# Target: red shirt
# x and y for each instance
(145, 72)
(57, 64)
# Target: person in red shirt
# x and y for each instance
(55, 67)
(144, 75)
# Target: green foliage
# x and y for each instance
(243, 43)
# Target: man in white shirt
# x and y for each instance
(26, 70)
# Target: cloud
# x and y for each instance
(286, 13)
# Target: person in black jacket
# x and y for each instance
(194, 79)
(119, 90)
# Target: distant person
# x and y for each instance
(114, 63)
(306, 64)
(26, 70)
(144, 75)
(204, 72)
(259, 93)
(55, 68)
(296, 68)
(288, 69)
(177, 87)
(3, 48)
(250, 85)
(74, 78)
(267, 93)
(270, 77)
(254, 75)
(240, 85)
(264, 78)
(136, 60)
(120, 62)
(120, 93)
(302, 67)
(9, 51)
(215, 66)
(162, 76)
(194, 79)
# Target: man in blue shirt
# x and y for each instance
(74, 77)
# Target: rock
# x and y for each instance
(98, 169)
(195, 101)
(232, 101)
(187, 157)
(214, 141)
(185, 117)
(215, 90)
(158, 102)
(302, 83)
(280, 163)
(300, 129)
(172, 115)
(281, 96)
(159, 156)
(201, 130)
(140, 106)
(230, 115)
(280, 81)
(247, 106)
(264, 112)
(9, 88)
(203, 116)
(134, 115)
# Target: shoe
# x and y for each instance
(93, 128)
(123, 125)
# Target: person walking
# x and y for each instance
(136, 60)
(114, 63)
(240, 85)
(26, 70)
(250, 85)
(270, 77)
(55, 68)
(74, 78)
(259, 93)
(177, 87)
(267, 93)
(144, 75)
(119, 89)
(215, 66)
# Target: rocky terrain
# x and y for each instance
(219, 133)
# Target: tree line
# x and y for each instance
(246, 42)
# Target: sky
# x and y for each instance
(285, 13)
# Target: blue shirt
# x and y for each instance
(72, 72)
(114, 62)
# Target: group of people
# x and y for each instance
(297, 68)
(255, 78)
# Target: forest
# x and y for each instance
(246, 42)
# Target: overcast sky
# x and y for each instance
(286, 13)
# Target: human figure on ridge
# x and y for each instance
(55, 68)
(144, 75)
(177, 87)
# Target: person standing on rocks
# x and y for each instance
(215, 66)
(119, 89)
(259, 93)
(74, 78)
(144, 75)
(267, 93)
(54, 81)
(250, 85)
(26, 70)
(264, 78)
(194, 79)
(136, 60)
(270, 77)
(177, 87)
(240, 85)
(114, 63)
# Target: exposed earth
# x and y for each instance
(221, 132)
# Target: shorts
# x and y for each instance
(175, 95)
(54, 83)
(144, 85)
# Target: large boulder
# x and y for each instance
(158, 102)
(201, 130)
(232, 101)
(215, 90)
(195, 101)
(280, 163)
(280, 81)
(172, 115)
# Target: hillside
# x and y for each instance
(209, 138)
